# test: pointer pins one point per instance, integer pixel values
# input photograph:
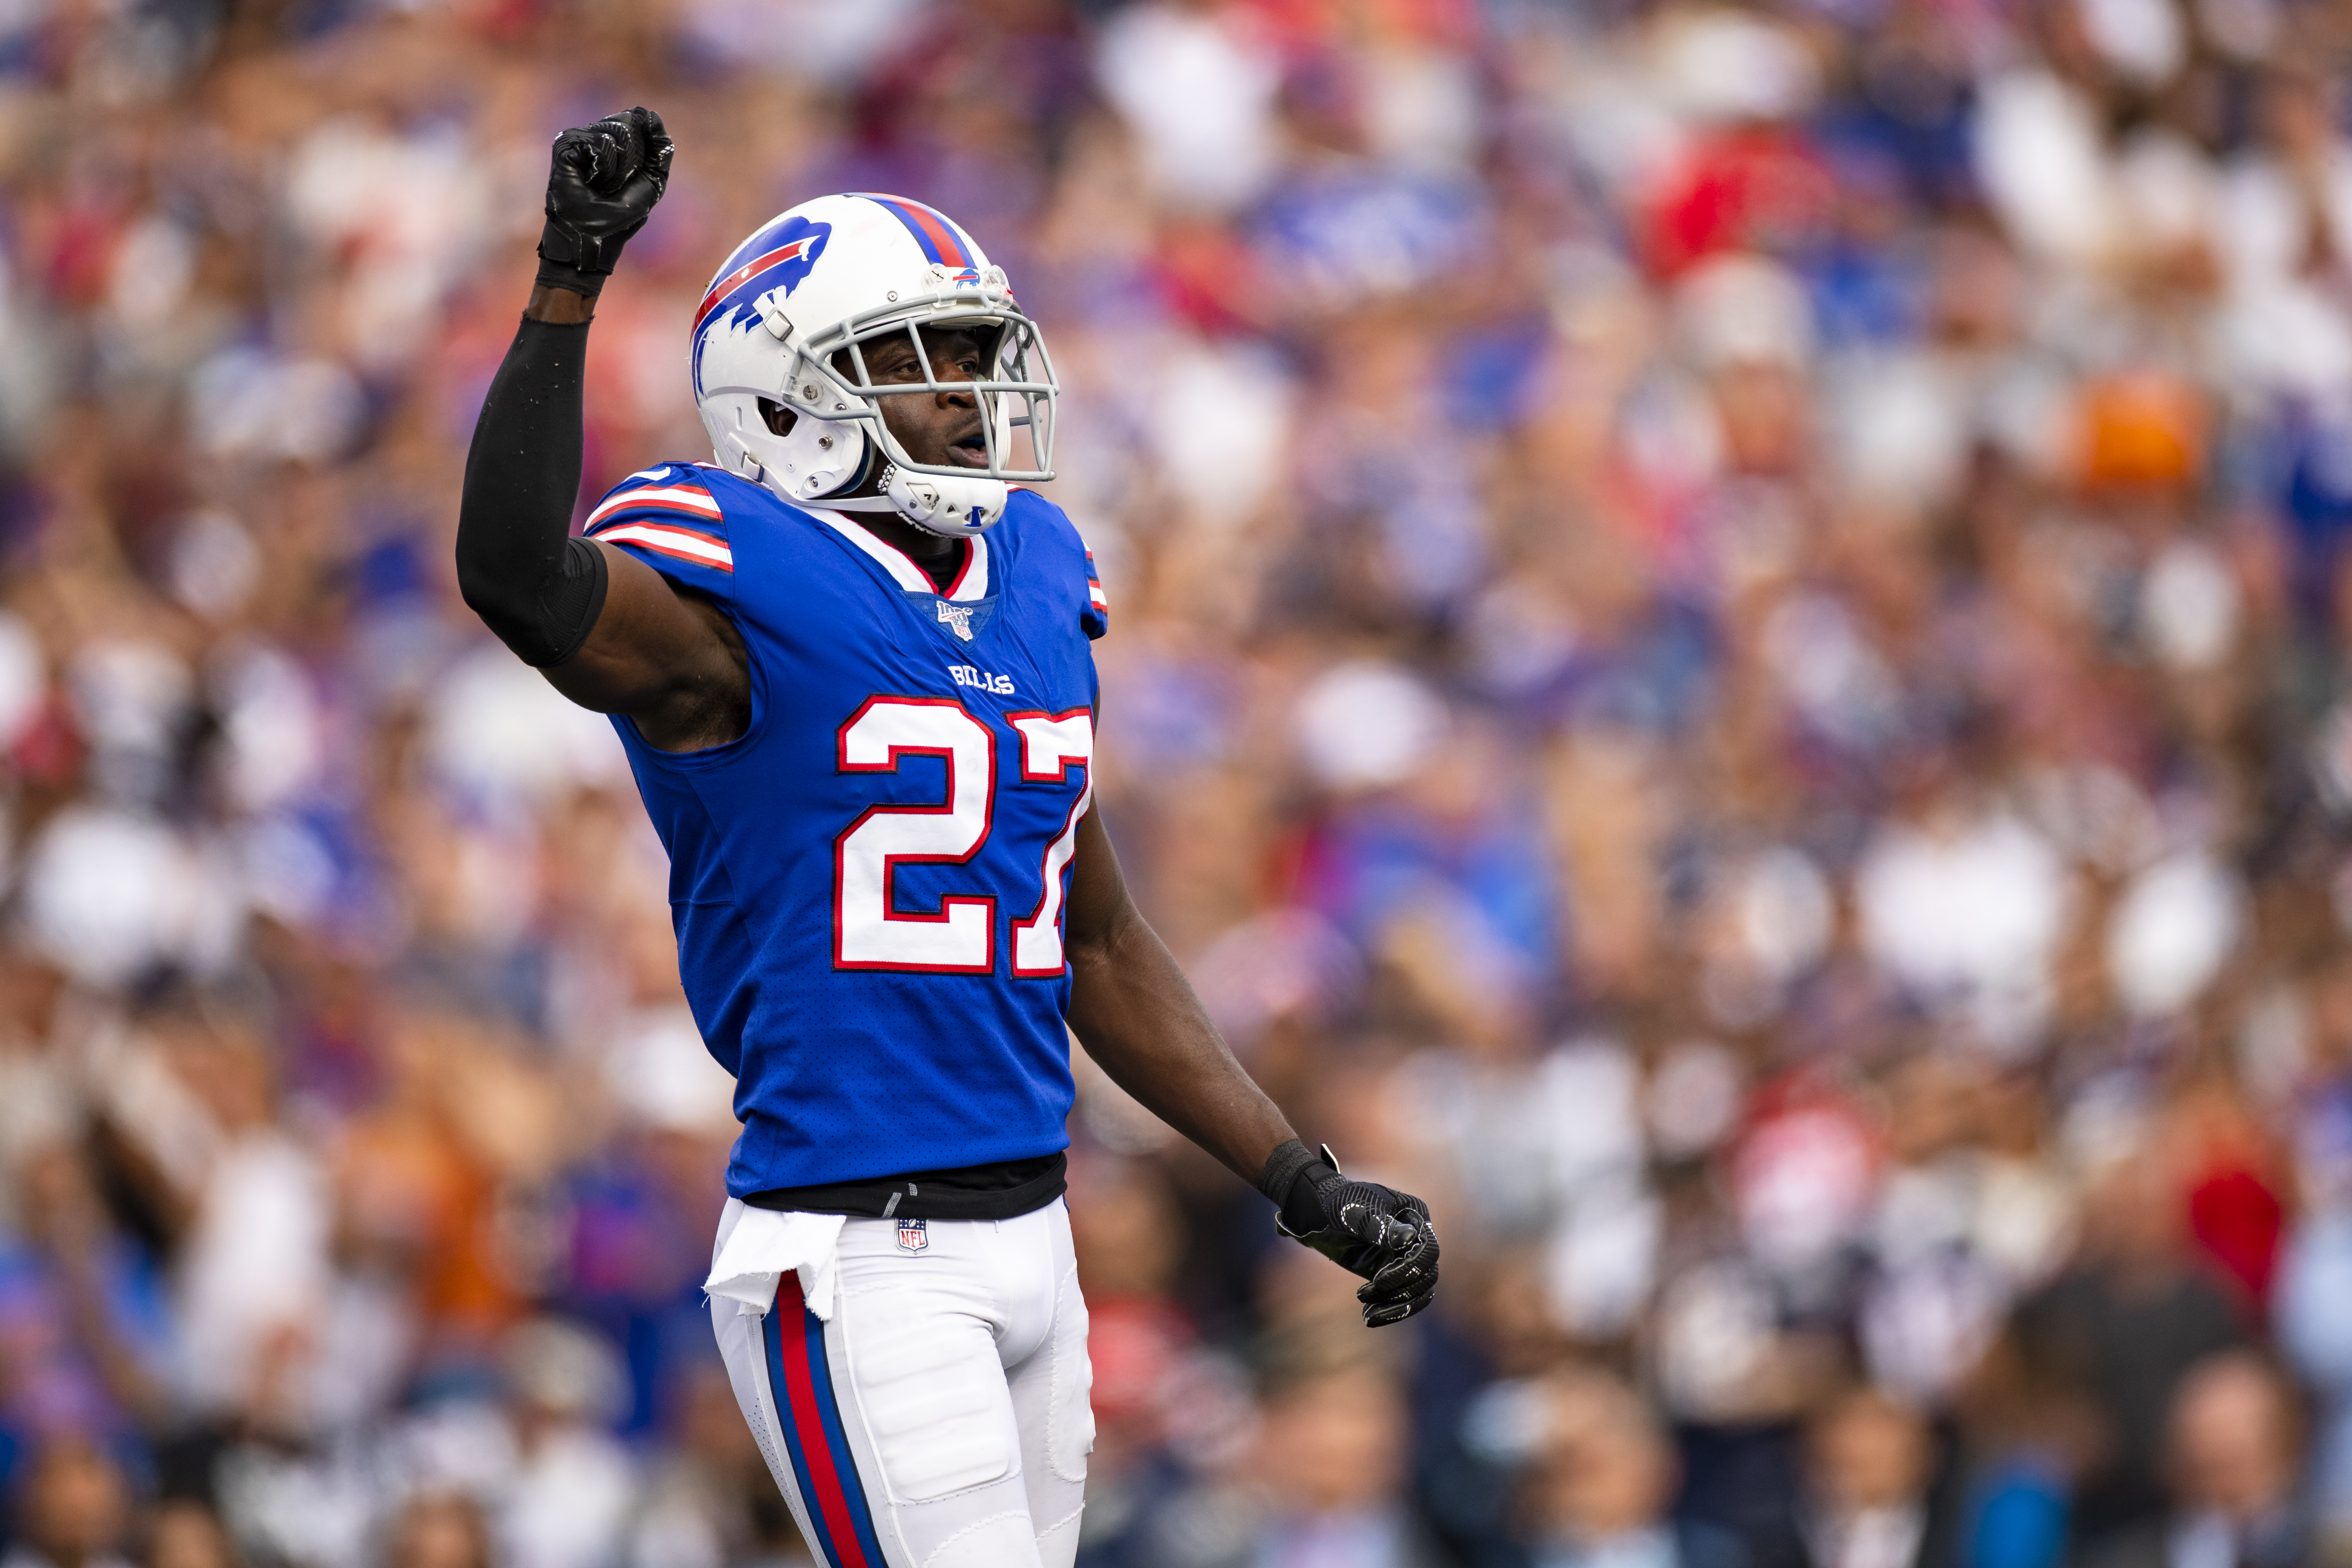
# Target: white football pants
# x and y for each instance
(942, 1418)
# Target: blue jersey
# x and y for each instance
(868, 884)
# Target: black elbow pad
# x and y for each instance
(546, 625)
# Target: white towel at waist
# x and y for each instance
(756, 1246)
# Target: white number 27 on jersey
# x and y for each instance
(869, 930)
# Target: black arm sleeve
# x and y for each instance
(538, 588)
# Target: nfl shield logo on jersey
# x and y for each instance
(956, 618)
(913, 1236)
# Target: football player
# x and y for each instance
(850, 660)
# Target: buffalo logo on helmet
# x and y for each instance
(778, 257)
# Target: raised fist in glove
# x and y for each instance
(1377, 1232)
(604, 182)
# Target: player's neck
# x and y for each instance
(936, 554)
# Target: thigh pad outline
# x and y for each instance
(931, 1391)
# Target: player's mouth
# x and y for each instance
(972, 451)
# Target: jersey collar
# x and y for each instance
(970, 584)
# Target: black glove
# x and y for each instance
(1364, 1227)
(603, 184)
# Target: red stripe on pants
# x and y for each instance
(800, 1382)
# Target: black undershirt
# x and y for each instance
(1004, 1190)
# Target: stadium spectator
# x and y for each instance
(72, 1508)
(2122, 1329)
(442, 1529)
(1602, 1483)
(1871, 1497)
(2233, 1456)
(1330, 1472)
(187, 1534)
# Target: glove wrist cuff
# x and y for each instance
(556, 275)
(1296, 1180)
(568, 261)
(1282, 1169)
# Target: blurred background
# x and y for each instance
(1728, 658)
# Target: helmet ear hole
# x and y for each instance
(780, 419)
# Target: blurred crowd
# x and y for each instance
(1727, 658)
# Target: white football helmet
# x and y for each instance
(823, 281)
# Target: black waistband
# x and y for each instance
(1005, 1190)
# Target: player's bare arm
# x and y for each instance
(1135, 1012)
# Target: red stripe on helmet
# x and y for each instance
(743, 274)
(935, 227)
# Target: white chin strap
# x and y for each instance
(953, 506)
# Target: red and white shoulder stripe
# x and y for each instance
(667, 511)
